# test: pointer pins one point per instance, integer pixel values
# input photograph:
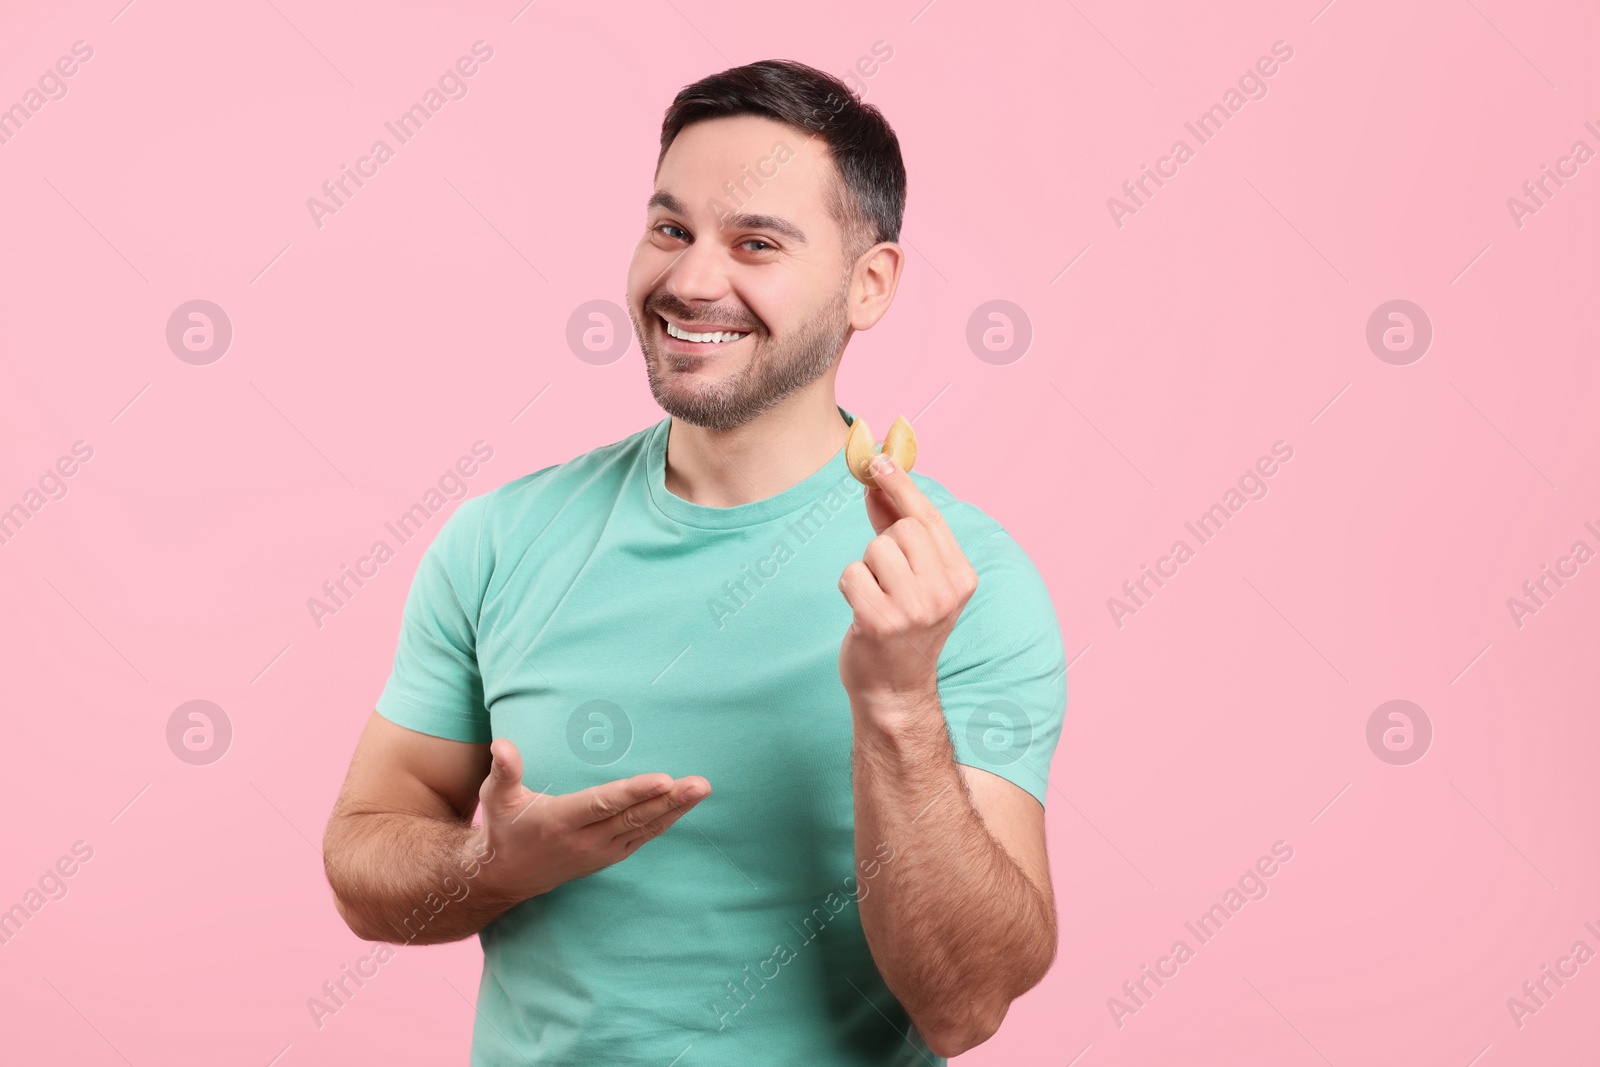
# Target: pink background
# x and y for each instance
(1228, 313)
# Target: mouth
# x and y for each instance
(702, 340)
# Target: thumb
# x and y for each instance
(881, 511)
(505, 773)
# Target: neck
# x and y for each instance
(771, 453)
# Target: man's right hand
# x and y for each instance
(529, 842)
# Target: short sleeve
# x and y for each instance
(435, 686)
(1003, 671)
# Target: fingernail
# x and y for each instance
(694, 792)
(882, 463)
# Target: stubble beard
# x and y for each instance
(773, 373)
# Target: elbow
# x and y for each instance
(351, 919)
(360, 922)
(959, 1028)
(951, 1037)
(953, 1028)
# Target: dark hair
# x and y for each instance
(872, 202)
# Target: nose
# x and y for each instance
(699, 273)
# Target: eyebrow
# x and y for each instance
(737, 221)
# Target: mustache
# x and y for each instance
(676, 310)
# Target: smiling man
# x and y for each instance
(847, 697)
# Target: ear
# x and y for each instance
(873, 282)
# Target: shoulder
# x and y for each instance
(527, 503)
(1012, 606)
(1003, 671)
(517, 511)
(986, 543)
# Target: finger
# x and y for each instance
(650, 831)
(913, 503)
(881, 511)
(503, 785)
(502, 792)
(655, 827)
(601, 802)
(684, 794)
(891, 568)
(862, 591)
(917, 545)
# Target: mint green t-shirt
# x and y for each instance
(610, 628)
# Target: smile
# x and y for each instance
(688, 341)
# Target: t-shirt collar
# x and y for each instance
(801, 496)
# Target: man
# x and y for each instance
(848, 698)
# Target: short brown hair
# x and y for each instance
(871, 204)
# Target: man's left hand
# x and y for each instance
(906, 591)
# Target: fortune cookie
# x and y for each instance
(900, 443)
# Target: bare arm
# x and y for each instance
(400, 851)
(407, 866)
(960, 918)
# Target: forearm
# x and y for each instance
(955, 926)
(411, 879)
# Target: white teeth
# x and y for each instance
(710, 338)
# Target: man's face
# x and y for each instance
(738, 237)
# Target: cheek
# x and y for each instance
(776, 311)
(637, 271)
(647, 266)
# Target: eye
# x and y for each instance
(668, 226)
(758, 241)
